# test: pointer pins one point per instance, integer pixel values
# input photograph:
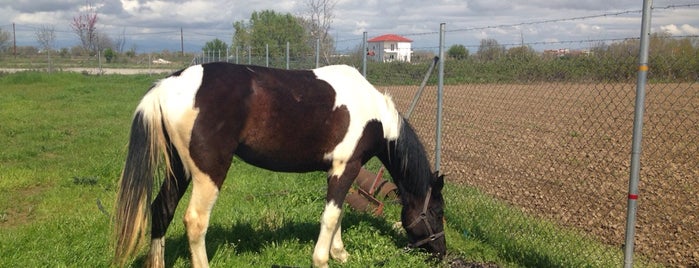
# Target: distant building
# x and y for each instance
(390, 47)
(567, 52)
(557, 52)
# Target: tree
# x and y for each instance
(521, 53)
(46, 36)
(4, 39)
(131, 52)
(270, 28)
(103, 41)
(215, 46)
(458, 52)
(490, 50)
(84, 25)
(120, 42)
(109, 54)
(243, 34)
(317, 22)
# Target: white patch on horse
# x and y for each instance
(174, 97)
(156, 255)
(197, 215)
(364, 104)
(338, 168)
(329, 224)
(179, 98)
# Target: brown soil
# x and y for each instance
(562, 151)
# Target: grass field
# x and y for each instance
(63, 138)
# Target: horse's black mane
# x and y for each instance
(408, 162)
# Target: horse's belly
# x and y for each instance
(283, 160)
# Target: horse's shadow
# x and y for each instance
(246, 238)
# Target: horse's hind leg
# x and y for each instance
(163, 210)
(196, 218)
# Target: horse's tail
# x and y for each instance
(147, 148)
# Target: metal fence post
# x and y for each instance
(637, 135)
(440, 94)
(317, 52)
(287, 55)
(364, 48)
(266, 55)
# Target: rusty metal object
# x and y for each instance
(369, 187)
(375, 185)
(360, 201)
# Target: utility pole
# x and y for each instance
(182, 41)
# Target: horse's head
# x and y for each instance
(423, 219)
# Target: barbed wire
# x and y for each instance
(606, 40)
(610, 14)
(64, 30)
(226, 34)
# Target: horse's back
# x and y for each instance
(285, 120)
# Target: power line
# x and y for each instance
(155, 33)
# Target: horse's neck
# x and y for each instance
(406, 161)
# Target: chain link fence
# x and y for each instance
(551, 133)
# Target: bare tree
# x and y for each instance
(490, 50)
(4, 39)
(318, 19)
(120, 42)
(103, 41)
(46, 36)
(84, 25)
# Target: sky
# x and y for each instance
(154, 25)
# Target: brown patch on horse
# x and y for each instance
(245, 119)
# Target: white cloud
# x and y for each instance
(672, 29)
(481, 35)
(361, 27)
(584, 28)
(685, 29)
(689, 29)
(130, 5)
(468, 21)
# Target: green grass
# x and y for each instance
(63, 138)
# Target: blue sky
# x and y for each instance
(154, 25)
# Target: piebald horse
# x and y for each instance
(191, 124)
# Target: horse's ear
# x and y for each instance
(439, 183)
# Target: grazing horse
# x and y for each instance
(191, 124)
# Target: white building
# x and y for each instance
(390, 47)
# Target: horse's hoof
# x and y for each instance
(339, 255)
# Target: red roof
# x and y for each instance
(389, 38)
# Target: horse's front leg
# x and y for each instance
(337, 248)
(340, 179)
